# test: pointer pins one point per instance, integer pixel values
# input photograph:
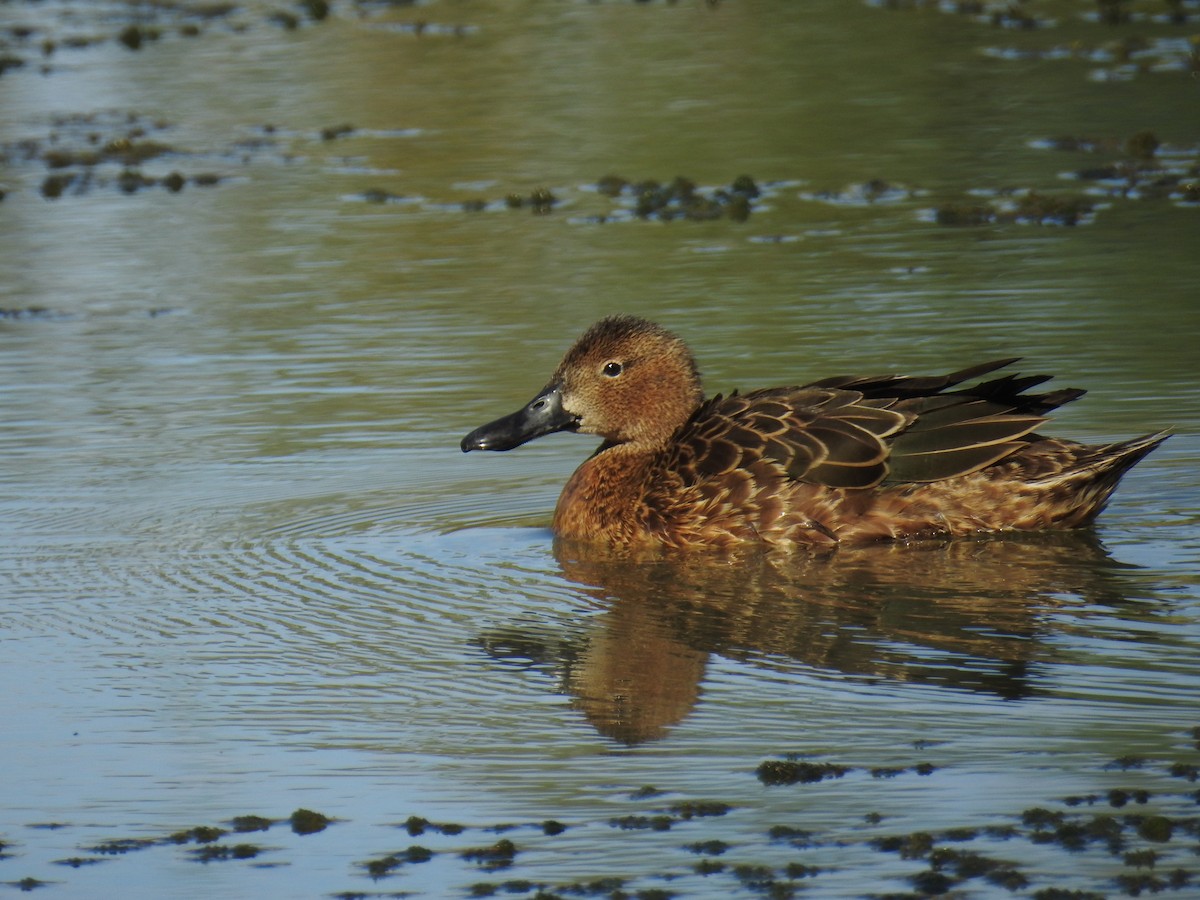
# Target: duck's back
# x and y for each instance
(853, 459)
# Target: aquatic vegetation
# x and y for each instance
(995, 13)
(1137, 883)
(1018, 207)
(1150, 848)
(642, 823)
(423, 28)
(542, 201)
(698, 809)
(121, 846)
(1185, 770)
(910, 846)
(1120, 58)
(203, 834)
(539, 201)
(645, 792)
(1118, 797)
(7, 61)
(305, 821)
(789, 771)
(133, 36)
(869, 193)
(797, 837)
(1052, 209)
(214, 852)
(377, 195)
(386, 865)
(795, 870)
(1144, 168)
(244, 824)
(499, 855)
(416, 826)
(682, 198)
(1148, 170)
(965, 865)
(333, 132)
(316, 10)
(1155, 828)
(134, 27)
(105, 150)
(964, 215)
(1125, 763)
(707, 867)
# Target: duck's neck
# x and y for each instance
(602, 500)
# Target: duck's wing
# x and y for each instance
(901, 387)
(965, 430)
(1007, 390)
(855, 432)
(831, 437)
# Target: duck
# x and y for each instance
(845, 460)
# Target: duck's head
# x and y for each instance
(626, 380)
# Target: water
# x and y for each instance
(246, 569)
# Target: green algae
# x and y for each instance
(646, 792)
(121, 846)
(220, 852)
(698, 809)
(642, 823)
(386, 865)
(789, 771)
(1187, 771)
(499, 855)
(417, 825)
(203, 834)
(244, 824)
(305, 821)
(1156, 828)
(78, 862)
(798, 837)
(950, 861)
(681, 198)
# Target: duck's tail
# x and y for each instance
(1097, 470)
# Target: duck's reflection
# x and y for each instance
(968, 615)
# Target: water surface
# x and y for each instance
(247, 571)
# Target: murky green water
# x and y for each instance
(256, 283)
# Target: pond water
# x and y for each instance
(263, 265)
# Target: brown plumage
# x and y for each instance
(842, 460)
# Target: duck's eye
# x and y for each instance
(612, 369)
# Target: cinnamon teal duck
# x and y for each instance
(844, 460)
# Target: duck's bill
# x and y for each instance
(544, 414)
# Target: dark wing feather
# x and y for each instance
(1010, 390)
(857, 431)
(900, 387)
(807, 434)
(958, 437)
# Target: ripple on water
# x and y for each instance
(479, 661)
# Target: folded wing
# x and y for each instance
(858, 431)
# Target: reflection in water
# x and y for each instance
(961, 614)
